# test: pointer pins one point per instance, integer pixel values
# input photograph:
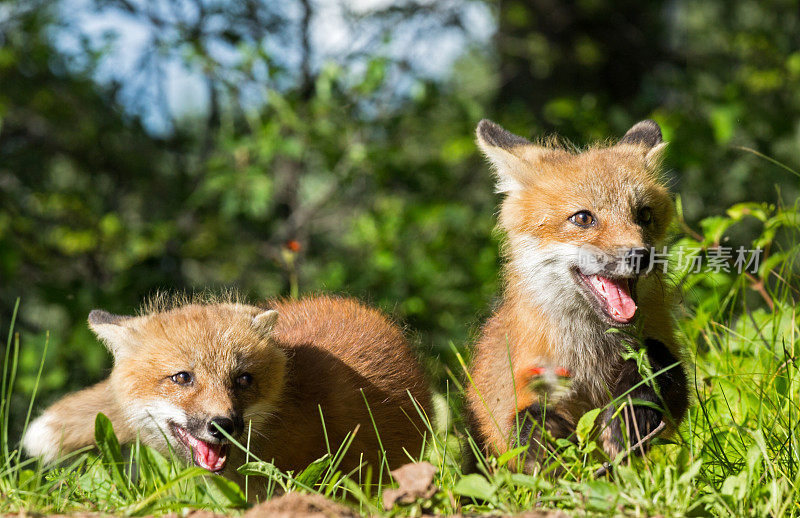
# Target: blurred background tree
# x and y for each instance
(324, 145)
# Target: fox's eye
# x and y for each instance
(181, 378)
(583, 219)
(645, 215)
(244, 380)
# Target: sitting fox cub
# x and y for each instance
(580, 228)
(183, 374)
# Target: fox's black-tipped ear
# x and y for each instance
(647, 135)
(110, 329)
(491, 134)
(265, 321)
(99, 317)
(508, 153)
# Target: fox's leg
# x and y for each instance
(537, 386)
(68, 424)
(533, 421)
(642, 419)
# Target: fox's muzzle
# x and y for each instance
(638, 259)
(623, 262)
(233, 426)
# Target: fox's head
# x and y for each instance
(580, 226)
(183, 376)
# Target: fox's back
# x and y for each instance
(360, 337)
(348, 365)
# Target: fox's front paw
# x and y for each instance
(539, 428)
(627, 428)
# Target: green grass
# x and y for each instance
(737, 453)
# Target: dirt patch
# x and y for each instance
(192, 514)
(525, 514)
(25, 514)
(296, 505)
(291, 505)
(195, 514)
(542, 514)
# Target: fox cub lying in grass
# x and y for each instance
(580, 228)
(183, 373)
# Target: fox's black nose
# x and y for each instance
(221, 423)
(638, 258)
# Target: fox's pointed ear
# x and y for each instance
(508, 153)
(110, 329)
(644, 133)
(265, 321)
(647, 135)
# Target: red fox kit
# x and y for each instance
(580, 229)
(184, 373)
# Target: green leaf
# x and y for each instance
(602, 495)
(97, 481)
(760, 211)
(774, 261)
(510, 454)
(585, 424)
(314, 471)
(529, 481)
(230, 490)
(111, 453)
(26, 476)
(714, 227)
(259, 469)
(475, 486)
(564, 443)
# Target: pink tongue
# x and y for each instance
(209, 456)
(619, 303)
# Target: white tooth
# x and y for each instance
(597, 283)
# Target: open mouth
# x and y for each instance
(613, 296)
(211, 456)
